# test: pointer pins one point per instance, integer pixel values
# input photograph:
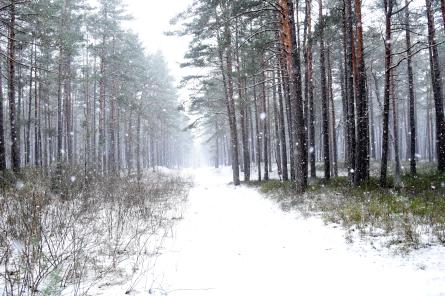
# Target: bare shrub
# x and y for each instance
(86, 230)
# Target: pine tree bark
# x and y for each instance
(388, 63)
(15, 149)
(257, 131)
(395, 120)
(225, 46)
(243, 112)
(437, 89)
(333, 145)
(349, 75)
(264, 116)
(309, 90)
(2, 130)
(276, 126)
(282, 132)
(412, 99)
(296, 106)
(324, 96)
(362, 160)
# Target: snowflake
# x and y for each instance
(19, 185)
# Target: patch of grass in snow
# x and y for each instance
(407, 217)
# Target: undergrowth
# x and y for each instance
(405, 218)
(68, 228)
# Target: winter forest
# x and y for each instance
(216, 147)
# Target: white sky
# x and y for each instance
(151, 20)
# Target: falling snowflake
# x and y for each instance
(73, 179)
(263, 115)
(352, 171)
(19, 185)
(311, 149)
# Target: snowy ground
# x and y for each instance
(233, 241)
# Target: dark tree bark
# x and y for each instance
(349, 75)
(437, 89)
(15, 149)
(2, 131)
(28, 122)
(257, 131)
(282, 133)
(333, 145)
(388, 61)
(309, 90)
(276, 126)
(395, 120)
(362, 160)
(230, 103)
(264, 117)
(324, 96)
(243, 113)
(412, 99)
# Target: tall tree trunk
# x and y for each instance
(276, 126)
(324, 96)
(264, 117)
(28, 122)
(309, 90)
(15, 149)
(437, 89)
(349, 74)
(226, 46)
(282, 133)
(293, 62)
(243, 112)
(388, 72)
(332, 119)
(138, 146)
(412, 99)
(2, 130)
(395, 120)
(362, 160)
(257, 131)
(37, 130)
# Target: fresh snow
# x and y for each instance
(234, 241)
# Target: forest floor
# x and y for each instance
(234, 241)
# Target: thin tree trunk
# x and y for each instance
(412, 99)
(324, 96)
(332, 119)
(276, 126)
(15, 149)
(264, 115)
(282, 129)
(2, 130)
(388, 64)
(257, 131)
(395, 120)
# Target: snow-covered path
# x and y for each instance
(233, 241)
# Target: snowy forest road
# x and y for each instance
(233, 241)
